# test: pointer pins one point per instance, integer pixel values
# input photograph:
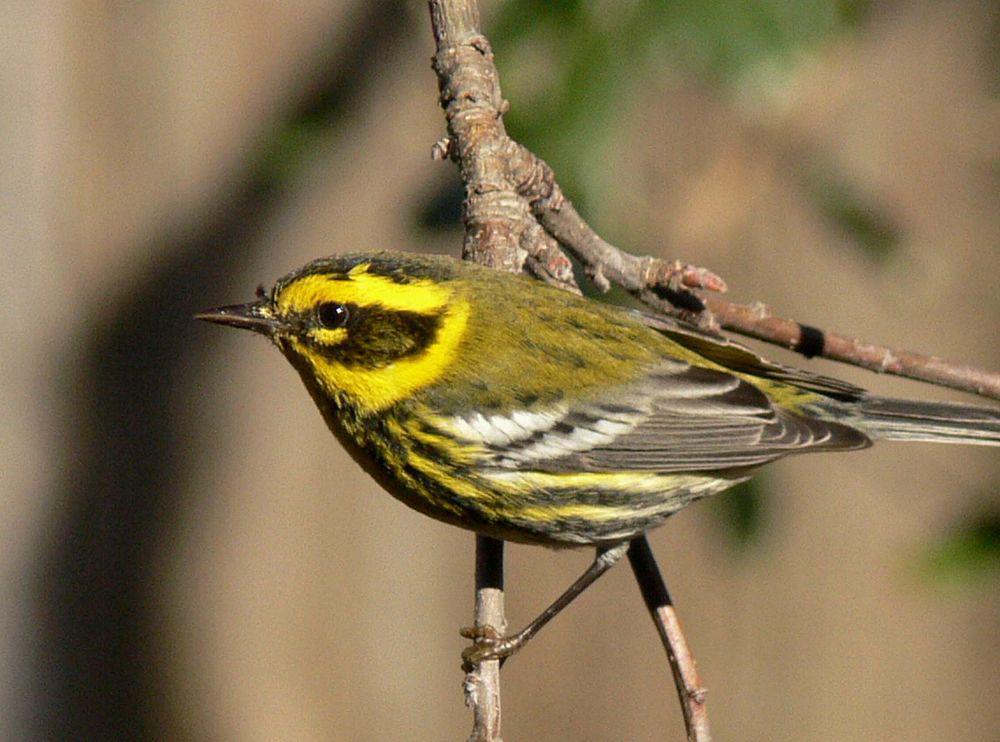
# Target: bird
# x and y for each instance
(494, 402)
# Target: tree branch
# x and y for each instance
(506, 187)
(500, 231)
(518, 219)
(497, 235)
(756, 321)
(664, 286)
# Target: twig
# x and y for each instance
(496, 234)
(482, 682)
(516, 218)
(501, 231)
(682, 664)
(757, 321)
(664, 284)
(536, 183)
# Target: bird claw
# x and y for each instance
(479, 633)
(487, 645)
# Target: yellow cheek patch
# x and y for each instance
(378, 388)
(328, 337)
(362, 288)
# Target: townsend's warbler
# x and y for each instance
(502, 405)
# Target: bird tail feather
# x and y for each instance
(942, 422)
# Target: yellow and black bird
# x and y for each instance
(499, 404)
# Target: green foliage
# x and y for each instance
(572, 66)
(869, 228)
(968, 554)
(289, 147)
(742, 513)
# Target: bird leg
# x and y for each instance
(488, 645)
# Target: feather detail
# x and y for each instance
(675, 418)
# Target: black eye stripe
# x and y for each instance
(377, 336)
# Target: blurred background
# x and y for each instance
(185, 553)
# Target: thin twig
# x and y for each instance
(664, 286)
(757, 321)
(536, 183)
(661, 609)
(497, 234)
(482, 681)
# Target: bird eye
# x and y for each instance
(331, 315)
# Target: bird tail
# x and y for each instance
(942, 422)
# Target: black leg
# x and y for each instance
(682, 665)
(647, 574)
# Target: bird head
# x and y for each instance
(373, 327)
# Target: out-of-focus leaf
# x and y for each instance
(870, 228)
(572, 67)
(970, 553)
(742, 512)
(443, 209)
(287, 148)
(853, 12)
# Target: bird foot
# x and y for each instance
(487, 645)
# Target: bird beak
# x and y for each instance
(257, 316)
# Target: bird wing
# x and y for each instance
(736, 357)
(678, 417)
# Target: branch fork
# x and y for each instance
(517, 219)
